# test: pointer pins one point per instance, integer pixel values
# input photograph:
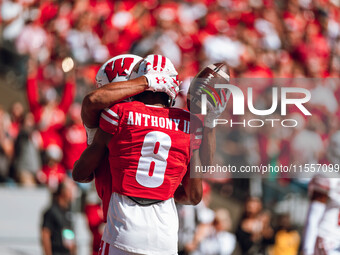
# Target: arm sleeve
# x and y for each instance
(90, 133)
(68, 96)
(110, 119)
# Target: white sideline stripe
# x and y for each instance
(108, 119)
(109, 111)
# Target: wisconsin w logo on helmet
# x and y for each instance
(116, 69)
(119, 68)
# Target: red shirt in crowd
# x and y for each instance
(74, 143)
(50, 119)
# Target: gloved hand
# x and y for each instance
(158, 82)
(213, 112)
(160, 73)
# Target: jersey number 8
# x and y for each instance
(152, 163)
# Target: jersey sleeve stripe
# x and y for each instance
(109, 111)
(109, 116)
(113, 122)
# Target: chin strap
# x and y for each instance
(171, 102)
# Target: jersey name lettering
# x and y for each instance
(146, 120)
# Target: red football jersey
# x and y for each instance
(150, 150)
(103, 182)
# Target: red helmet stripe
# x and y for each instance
(155, 62)
(163, 63)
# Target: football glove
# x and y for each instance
(214, 112)
(159, 82)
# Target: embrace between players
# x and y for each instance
(139, 153)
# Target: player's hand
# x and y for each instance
(162, 83)
(161, 77)
(213, 112)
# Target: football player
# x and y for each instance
(114, 86)
(149, 154)
(318, 190)
(322, 233)
(328, 238)
(328, 235)
(114, 74)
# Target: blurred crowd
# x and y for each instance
(264, 38)
(256, 38)
(256, 231)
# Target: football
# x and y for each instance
(203, 83)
